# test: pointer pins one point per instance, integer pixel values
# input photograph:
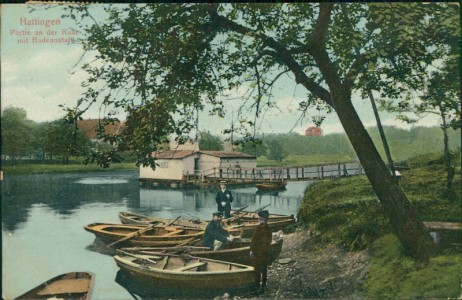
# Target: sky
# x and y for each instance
(38, 75)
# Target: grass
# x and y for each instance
(395, 276)
(346, 212)
(303, 160)
(55, 168)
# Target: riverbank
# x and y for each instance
(306, 271)
(58, 168)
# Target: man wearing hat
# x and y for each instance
(224, 199)
(260, 250)
(215, 236)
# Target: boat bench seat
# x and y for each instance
(173, 232)
(191, 266)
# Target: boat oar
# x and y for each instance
(173, 221)
(131, 235)
(261, 208)
(191, 240)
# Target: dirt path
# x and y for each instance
(329, 272)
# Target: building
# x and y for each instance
(313, 131)
(179, 165)
(89, 128)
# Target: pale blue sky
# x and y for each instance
(40, 76)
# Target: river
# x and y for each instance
(43, 218)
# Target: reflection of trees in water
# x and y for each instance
(61, 193)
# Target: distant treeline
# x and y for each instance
(403, 143)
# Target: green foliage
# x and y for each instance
(15, 133)
(252, 147)
(64, 140)
(344, 211)
(347, 212)
(276, 151)
(173, 59)
(395, 276)
(208, 141)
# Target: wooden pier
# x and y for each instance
(265, 174)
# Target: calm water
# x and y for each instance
(43, 218)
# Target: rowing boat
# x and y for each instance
(185, 272)
(138, 219)
(245, 222)
(271, 186)
(252, 215)
(159, 236)
(236, 251)
(73, 285)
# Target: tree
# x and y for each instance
(252, 146)
(276, 151)
(64, 140)
(439, 93)
(16, 134)
(208, 141)
(179, 58)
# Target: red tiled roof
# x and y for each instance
(89, 127)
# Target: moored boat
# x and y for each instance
(236, 251)
(138, 219)
(252, 215)
(73, 285)
(185, 272)
(240, 224)
(271, 186)
(162, 236)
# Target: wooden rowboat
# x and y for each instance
(236, 251)
(251, 215)
(234, 225)
(248, 226)
(271, 186)
(157, 236)
(138, 219)
(74, 285)
(185, 272)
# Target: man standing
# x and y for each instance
(260, 250)
(215, 236)
(224, 199)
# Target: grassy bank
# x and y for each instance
(55, 168)
(347, 212)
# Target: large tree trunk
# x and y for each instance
(410, 230)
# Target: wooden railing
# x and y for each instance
(280, 173)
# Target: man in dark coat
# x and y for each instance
(260, 250)
(224, 199)
(215, 236)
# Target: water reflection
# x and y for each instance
(43, 218)
(200, 203)
(63, 193)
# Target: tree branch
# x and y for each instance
(282, 54)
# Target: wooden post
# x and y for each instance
(296, 173)
(288, 173)
(338, 167)
(303, 172)
(322, 171)
(317, 171)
